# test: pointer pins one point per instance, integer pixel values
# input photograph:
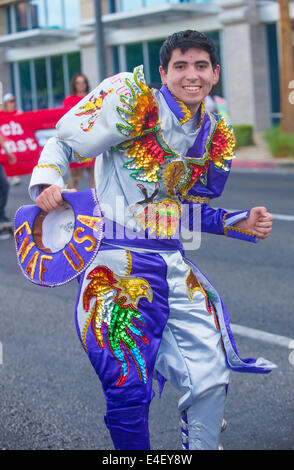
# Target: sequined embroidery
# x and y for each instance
(180, 178)
(197, 199)
(140, 119)
(161, 218)
(179, 108)
(116, 300)
(187, 113)
(194, 285)
(202, 114)
(222, 146)
(81, 159)
(151, 159)
(184, 110)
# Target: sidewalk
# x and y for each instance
(257, 156)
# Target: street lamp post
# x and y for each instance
(286, 67)
(99, 40)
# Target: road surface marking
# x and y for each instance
(289, 218)
(261, 335)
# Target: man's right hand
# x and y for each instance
(51, 197)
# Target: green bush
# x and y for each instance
(280, 144)
(243, 134)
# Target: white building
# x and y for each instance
(44, 42)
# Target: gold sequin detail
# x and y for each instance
(201, 115)
(143, 104)
(223, 145)
(140, 120)
(193, 285)
(129, 261)
(161, 218)
(188, 114)
(185, 110)
(236, 229)
(172, 175)
(196, 199)
(82, 159)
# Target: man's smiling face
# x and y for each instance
(190, 76)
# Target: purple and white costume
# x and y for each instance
(142, 305)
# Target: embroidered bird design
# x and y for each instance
(193, 285)
(115, 306)
(92, 109)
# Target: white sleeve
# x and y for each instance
(99, 121)
(51, 168)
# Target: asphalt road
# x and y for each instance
(50, 397)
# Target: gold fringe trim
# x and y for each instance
(86, 326)
(196, 199)
(129, 263)
(49, 166)
(235, 229)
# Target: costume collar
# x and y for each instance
(180, 110)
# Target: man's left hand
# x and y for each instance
(259, 222)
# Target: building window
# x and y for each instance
(111, 6)
(21, 16)
(273, 71)
(25, 85)
(153, 53)
(115, 60)
(215, 36)
(41, 83)
(55, 14)
(130, 5)
(74, 64)
(58, 85)
(8, 20)
(134, 56)
(60, 14)
(38, 13)
(71, 14)
(44, 82)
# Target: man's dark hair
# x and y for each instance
(185, 40)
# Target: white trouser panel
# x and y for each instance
(191, 357)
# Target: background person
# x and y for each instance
(5, 223)
(9, 105)
(8, 110)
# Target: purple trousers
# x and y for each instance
(121, 312)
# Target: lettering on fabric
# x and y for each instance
(43, 267)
